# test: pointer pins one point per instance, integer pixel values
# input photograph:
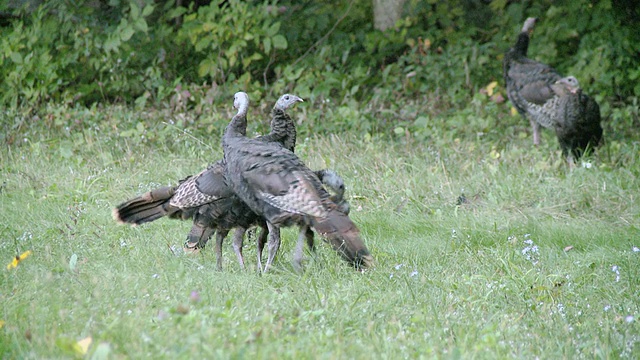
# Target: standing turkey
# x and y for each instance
(527, 81)
(574, 116)
(207, 199)
(274, 183)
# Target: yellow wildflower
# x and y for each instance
(82, 346)
(492, 85)
(17, 259)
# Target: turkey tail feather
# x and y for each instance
(343, 235)
(146, 208)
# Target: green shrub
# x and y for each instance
(191, 58)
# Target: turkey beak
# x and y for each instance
(299, 99)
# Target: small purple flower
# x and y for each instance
(194, 297)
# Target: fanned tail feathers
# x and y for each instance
(148, 207)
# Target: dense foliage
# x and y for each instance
(438, 58)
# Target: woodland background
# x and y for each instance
(189, 57)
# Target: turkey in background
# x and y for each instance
(547, 99)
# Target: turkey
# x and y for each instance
(275, 184)
(574, 116)
(527, 81)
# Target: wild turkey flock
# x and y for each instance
(260, 182)
(275, 189)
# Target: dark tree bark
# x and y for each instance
(386, 13)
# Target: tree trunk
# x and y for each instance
(386, 13)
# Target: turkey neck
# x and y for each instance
(522, 45)
(238, 125)
(283, 130)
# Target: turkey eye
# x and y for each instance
(286, 98)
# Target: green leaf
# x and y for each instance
(126, 33)
(498, 5)
(203, 43)
(273, 29)
(174, 13)
(16, 57)
(206, 67)
(135, 10)
(279, 42)
(141, 24)
(112, 43)
(248, 60)
(190, 17)
(292, 74)
(67, 345)
(147, 10)
(232, 59)
(267, 45)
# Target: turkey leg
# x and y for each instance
(238, 237)
(298, 253)
(273, 245)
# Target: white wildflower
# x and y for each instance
(616, 270)
(530, 251)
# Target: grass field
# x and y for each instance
(536, 262)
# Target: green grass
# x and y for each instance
(451, 281)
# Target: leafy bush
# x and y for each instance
(234, 42)
(432, 64)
